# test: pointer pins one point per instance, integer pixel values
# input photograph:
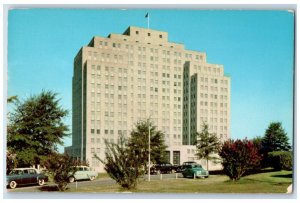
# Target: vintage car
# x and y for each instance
(195, 170)
(83, 173)
(162, 168)
(25, 176)
(181, 168)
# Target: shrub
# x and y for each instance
(280, 160)
(238, 157)
(121, 164)
(61, 167)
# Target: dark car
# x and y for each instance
(162, 168)
(25, 176)
(181, 168)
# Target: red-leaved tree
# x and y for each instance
(238, 157)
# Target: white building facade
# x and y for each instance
(124, 78)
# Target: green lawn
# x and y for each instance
(269, 182)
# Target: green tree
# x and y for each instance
(238, 157)
(120, 164)
(12, 99)
(257, 141)
(36, 128)
(275, 139)
(11, 161)
(207, 144)
(281, 160)
(61, 167)
(139, 142)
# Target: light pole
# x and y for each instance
(149, 153)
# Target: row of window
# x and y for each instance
(205, 111)
(212, 119)
(212, 104)
(115, 45)
(210, 127)
(106, 132)
(207, 69)
(140, 72)
(149, 34)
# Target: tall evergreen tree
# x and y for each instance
(36, 128)
(139, 142)
(275, 139)
(207, 144)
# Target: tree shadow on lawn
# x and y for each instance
(256, 171)
(50, 188)
(250, 172)
(283, 176)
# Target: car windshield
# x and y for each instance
(188, 163)
(16, 172)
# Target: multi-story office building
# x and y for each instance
(123, 78)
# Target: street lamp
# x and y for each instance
(149, 152)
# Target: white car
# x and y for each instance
(83, 173)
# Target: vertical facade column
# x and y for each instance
(186, 104)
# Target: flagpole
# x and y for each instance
(148, 20)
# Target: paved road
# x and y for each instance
(97, 182)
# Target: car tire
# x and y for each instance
(13, 184)
(71, 179)
(92, 178)
(41, 182)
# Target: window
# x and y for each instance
(98, 131)
(160, 36)
(137, 32)
(149, 34)
(92, 131)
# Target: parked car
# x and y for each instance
(162, 168)
(181, 168)
(25, 176)
(83, 173)
(195, 170)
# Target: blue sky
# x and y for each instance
(255, 47)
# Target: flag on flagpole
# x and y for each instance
(146, 16)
